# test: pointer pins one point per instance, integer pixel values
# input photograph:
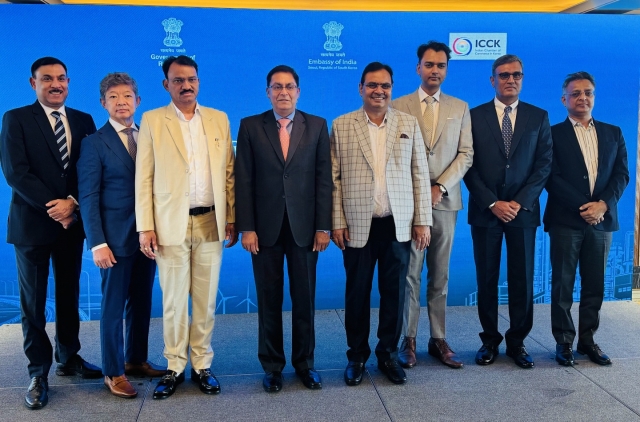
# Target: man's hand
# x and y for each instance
(505, 211)
(341, 237)
(250, 242)
(60, 208)
(148, 244)
(68, 222)
(321, 241)
(593, 212)
(230, 235)
(436, 195)
(421, 235)
(103, 258)
(515, 206)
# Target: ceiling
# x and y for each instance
(532, 6)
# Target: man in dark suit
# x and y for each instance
(39, 145)
(107, 201)
(512, 145)
(283, 197)
(589, 174)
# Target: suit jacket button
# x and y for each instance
(585, 177)
(283, 197)
(186, 194)
(286, 175)
(503, 185)
(507, 165)
(431, 153)
(62, 175)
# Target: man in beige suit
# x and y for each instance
(446, 130)
(185, 208)
(381, 200)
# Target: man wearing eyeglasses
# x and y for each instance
(283, 192)
(589, 174)
(446, 129)
(185, 209)
(381, 200)
(40, 145)
(512, 161)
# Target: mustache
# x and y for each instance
(184, 91)
(55, 90)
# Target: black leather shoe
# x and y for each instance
(207, 382)
(486, 355)
(310, 378)
(353, 373)
(168, 384)
(520, 357)
(37, 393)
(80, 367)
(393, 371)
(564, 354)
(272, 382)
(595, 354)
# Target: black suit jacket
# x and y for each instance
(107, 192)
(568, 185)
(266, 185)
(519, 177)
(33, 169)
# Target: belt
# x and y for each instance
(201, 210)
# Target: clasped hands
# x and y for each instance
(506, 211)
(250, 242)
(593, 212)
(421, 235)
(61, 210)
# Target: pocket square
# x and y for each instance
(404, 135)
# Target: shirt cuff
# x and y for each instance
(100, 246)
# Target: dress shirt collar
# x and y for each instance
(120, 127)
(500, 106)
(48, 110)
(384, 121)
(181, 114)
(290, 117)
(575, 123)
(422, 94)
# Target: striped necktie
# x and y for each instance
(61, 138)
(131, 143)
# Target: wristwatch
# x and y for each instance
(442, 188)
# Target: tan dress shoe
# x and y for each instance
(144, 369)
(439, 348)
(120, 386)
(407, 352)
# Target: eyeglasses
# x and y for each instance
(506, 75)
(180, 81)
(375, 85)
(578, 94)
(279, 88)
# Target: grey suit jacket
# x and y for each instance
(352, 172)
(452, 151)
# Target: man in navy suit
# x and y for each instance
(512, 162)
(39, 147)
(107, 200)
(589, 174)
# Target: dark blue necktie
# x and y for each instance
(61, 138)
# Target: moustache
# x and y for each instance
(184, 91)
(55, 91)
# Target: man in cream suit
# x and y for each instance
(446, 130)
(381, 200)
(184, 210)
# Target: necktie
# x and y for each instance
(427, 117)
(507, 130)
(284, 136)
(131, 143)
(61, 138)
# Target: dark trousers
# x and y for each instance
(268, 271)
(568, 248)
(487, 249)
(393, 262)
(33, 276)
(126, 288)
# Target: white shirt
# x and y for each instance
(65, 122)
(378, 136)
(588, 141)
(500, 112)
(436, 109)
(195, 141)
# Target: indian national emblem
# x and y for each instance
(333, 30)
(172, 27)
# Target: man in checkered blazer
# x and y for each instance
(381, 200)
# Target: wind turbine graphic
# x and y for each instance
(248, 300)
(223, 301)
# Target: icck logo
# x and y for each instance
(461, 46)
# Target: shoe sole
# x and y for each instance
(407, 365)
(485, 363)
(564, 362)
(437, 356)
(352, 382)
(36, 407)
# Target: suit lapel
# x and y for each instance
(299, 126)
(76, 132)
(603, 151)
(111, 138)
(573, 145)
(271, 130)
(494, 125)
(443, 113)
(521, 123)
(392, 131)
(43, 122)
(416, 110)
(173, 125)
(362, 133)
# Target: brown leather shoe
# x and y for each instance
(439, 348)
(144, 369)
(407, 352)
(120, 386)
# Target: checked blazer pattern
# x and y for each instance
(407, 174)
